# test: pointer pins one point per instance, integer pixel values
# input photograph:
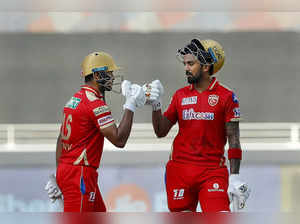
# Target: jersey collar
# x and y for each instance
(213, 84)
(92, 89)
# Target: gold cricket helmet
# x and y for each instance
(217, 52)
(98, 61)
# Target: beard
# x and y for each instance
(194, 79)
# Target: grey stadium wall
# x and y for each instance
(40, 72)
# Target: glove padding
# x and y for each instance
(153, 92)
(134, 95)
(238, 192)
(52, 189)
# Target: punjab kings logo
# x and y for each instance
(213, 100)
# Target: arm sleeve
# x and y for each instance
(171, 112)
(101, 114)
(232, 109)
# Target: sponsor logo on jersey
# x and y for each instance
(101, 110)
(189, 100)
(216, 187)
(190, 114)
(213, 100)
(105, 120)
(234, 98)
(237, 112)
(73, 103)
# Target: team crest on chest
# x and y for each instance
(213, 100)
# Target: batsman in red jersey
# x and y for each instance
(87, 119)
(207, 114)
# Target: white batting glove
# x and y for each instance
(238, 192)
(134, 95)
(153, 92)
(52, 189)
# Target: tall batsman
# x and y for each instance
(87, 119)
(208, 114)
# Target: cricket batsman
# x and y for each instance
(208, 115)
(87, 120)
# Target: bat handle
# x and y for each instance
(60, 204)
(235, 203)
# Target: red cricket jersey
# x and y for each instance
(201, 118)
(84, 115)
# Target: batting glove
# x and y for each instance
(238, 192)
(52, 189)
(134, 95)
(153, 92)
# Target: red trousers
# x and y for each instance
(79, 186)
(187, 184)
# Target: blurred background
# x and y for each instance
(43, 43)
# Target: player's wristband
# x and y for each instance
(156, 105)
(234, 153)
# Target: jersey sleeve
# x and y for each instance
(171, 112)
(232, 109)
(101, 114)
